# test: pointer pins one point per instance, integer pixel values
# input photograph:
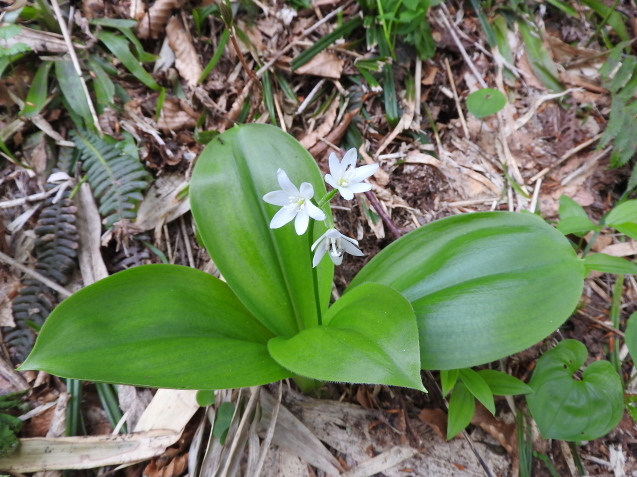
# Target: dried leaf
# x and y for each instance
(174, 117)
(504, 433)
(93, 8)
(436, 419)
(156, 18)
(186, 57)
(325, 64)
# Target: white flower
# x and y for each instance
(295, 203)
(335, 243)
(348, 178)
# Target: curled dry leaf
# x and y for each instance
(186, 57)
(156, 18)
(176, 116)
(325, 64)
(504, 433)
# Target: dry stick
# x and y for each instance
(31, 198)
(463, 52)
(76, 63)
(567, 155)
(457, 100)
(379, 210)
(247, 69)
(600, 323)
(585, 166)
(191, 260)
(418, 91)
(309, 97)
(38, 276)
(11, 375)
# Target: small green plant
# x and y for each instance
(453, 294)
(9, 425)
(485, 102)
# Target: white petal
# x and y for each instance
(302, 221)
(319, 240)
(351, 248)
(330, 180)
(307, 190)
(346, 193)
(359, 187)
(363, 172)
(286, 184)
(349, 159)
(336, 259)
(335, 166)
(283, 216)
(314, 212)
(318, 256)
(278, 197)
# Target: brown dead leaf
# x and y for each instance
(174, 467)
(429, 76)
(156, 19)
(624, 249)
(504, 433)
(325, 64)
(93, 8)
(186, 57)
(436, 419)
(324, 129)
(175, 116)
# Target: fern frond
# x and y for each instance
(56, 253)
(619, 75)
(117, 178)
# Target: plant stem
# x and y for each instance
(317, 298)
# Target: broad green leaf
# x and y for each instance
(73, 91)
(448, 380)
(576, 225)
(485, 102)
(36, 98)
(120, 48)
(624, 212)
(368, 336)
(503, 384)
(270, 270)
(609, 264)
(570, 208)
(539, 58)
(629, 229)
(569, 409)
(462, 405)
(483, 285)
(478, 387)
(160, 326)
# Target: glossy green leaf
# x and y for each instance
(576, 225)
(485, 102)
(570, 208)
(569, 409)
(270, 270)
(36, 98)
(609, 264)
(483, 285)
(503, 384)
(462, 405)
(160, 326)
(624, 212)
(73, 91)
(448, 378)
(478, 387)
(120, 48)
(368, 336)
(223, 419)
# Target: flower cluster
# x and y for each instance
(296, 204)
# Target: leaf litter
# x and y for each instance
(436, 160)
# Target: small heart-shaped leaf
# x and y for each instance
(368, 336)
(485, 102)
(569, 409)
